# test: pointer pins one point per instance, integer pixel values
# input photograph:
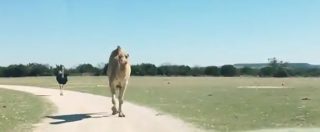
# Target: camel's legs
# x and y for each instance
(113, 99)
(121, 97)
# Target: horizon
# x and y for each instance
(193, 33)
(101, 64)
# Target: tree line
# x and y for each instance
(275, 68)
(36, 69)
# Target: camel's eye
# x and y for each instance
(127, 56)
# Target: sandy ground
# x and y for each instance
(81, 112)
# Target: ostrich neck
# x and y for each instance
(62, 74)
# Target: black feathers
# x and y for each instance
(62, 78)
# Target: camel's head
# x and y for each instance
(122, 57)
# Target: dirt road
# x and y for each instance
(81, 112)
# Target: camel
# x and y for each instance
(118, 72)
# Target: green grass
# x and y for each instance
(19, 110)
(213, 103)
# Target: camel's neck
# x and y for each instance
(123, 67)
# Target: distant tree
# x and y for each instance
(183, 70)
(135, 70)
(166, 70)
(275, 63)
(149, 69)
(1, 71)
(279, 68)
(275, 68)
(104, 70)
(174, 70)
(248, 71)
(228, 71)
(296, 71)
(267, 72)
(212, 71)
(197, 71)
(145, 69)
(87, 69)
(15, 71)
(35, 69)
(281, 72)
(101, 69)
(314, 72)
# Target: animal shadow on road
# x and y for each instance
(75, 117)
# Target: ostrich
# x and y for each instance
(62, 79)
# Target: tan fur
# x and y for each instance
(118, 72)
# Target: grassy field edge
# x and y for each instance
(20, 110)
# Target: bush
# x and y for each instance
(174, 70)
(15, 71)
(144, 70)
(314, 72)
(197, 71)
(87, 69)
(266, 72)
(281, 72)
(212, 71)
(248, 71)
(228, 71)
(35, 69)
(1, 71)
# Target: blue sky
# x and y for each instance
(191, 32)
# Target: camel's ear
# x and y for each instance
(127, 56)
(118, 49)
